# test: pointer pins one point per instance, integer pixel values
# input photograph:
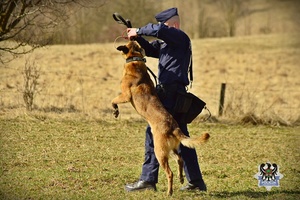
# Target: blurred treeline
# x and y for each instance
(199, 18)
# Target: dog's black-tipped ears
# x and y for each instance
(123, 48)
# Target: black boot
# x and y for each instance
(197, 186)
(140, 185)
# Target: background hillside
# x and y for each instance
(260, 64)
(261, 73)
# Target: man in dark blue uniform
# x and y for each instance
(173, 50)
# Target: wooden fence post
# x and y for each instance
(222, 98)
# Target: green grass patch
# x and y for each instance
(94, 159)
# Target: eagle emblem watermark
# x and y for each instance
(268, 175)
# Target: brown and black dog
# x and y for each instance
(138, 89)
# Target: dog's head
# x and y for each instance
(132, 49)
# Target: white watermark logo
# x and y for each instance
(268, 175)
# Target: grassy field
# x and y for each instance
(93, 159)
(70, 147)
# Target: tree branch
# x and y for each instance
(29, 22)
(5, 16)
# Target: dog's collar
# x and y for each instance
(135, 59)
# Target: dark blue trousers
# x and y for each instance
(151, 166)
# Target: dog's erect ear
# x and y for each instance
(123, 48)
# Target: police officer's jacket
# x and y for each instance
(173, 50)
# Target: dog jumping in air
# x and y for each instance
(138, 89)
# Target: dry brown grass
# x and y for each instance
(261, 73)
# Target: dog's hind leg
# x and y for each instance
(180, 166)
(163, 161)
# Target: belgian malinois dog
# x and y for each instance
(138, 89)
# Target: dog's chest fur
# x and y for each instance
(143, 95)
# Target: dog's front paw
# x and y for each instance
(116, 113)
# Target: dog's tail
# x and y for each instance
(192, 142)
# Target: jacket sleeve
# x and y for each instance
(169, 35)
(151, 49)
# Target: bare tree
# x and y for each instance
(203, 23)
(30, 23)
(232, 11)
(31, 76)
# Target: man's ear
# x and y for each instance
(123, 48)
